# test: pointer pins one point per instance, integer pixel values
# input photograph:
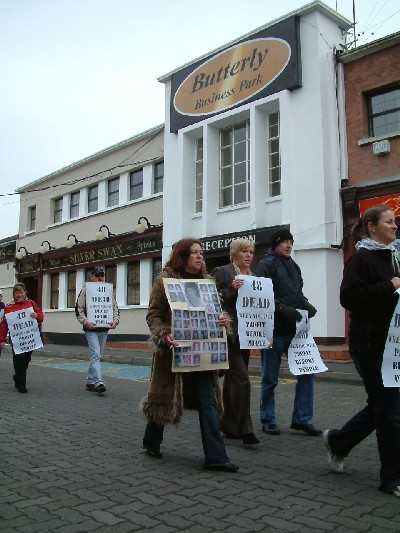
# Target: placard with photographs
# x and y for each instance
(195, 308)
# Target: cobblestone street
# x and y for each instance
(72, 461)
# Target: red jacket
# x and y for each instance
(10, 308)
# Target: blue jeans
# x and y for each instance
(96, 341)
(304, 397)
(213, 443)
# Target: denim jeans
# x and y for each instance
(96, 341)
(382, 413)
(213, 443)
(304, 397)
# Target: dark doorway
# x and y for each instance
(32, 288)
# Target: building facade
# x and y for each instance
(7, 266)
(104, 210)
(253, 143)
(372, 103)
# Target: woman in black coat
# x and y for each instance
(370, 280)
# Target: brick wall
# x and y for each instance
(369, 73)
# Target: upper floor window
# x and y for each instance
(54, 290)
(158, 177)
(384, 113)
(133, 283)
(57, 209)
(71, 289)
(113, 192)
(136, 184)
(31, 218)
(93, 198)
(234, 165)
(198, 195)
(111, 275)
(74, 205)
(273, 154)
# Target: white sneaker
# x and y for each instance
(395, 491)
(336, 462)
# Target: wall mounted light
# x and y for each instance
(19, 254)
(143, 224)
(100, 235)
(44, 249)
(69, 243)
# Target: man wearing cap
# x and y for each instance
(285, 274)
(96, 336)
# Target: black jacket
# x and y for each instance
(288, 290)
(367, 292)
(224, 275)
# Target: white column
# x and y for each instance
(62, 291)
(80, 280)
(46, 291)
(65, 207)
(145, 281)
(147, 180)
(120, 293)
(258, 166)
(83, 202)
(210, 178)
(123, 188)
(102, 195)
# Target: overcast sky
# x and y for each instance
(80, 75)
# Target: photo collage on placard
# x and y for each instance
(213, 309)
(176, 293)
(189, 325)
(185, 357)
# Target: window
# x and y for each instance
(74, 205)
(54, 289)
(133, 283)
(157, 267)
(158, 177)
(198, 198)
(32, 218)
(71, 289)
(384, 113)
(113, 192)
(111, 275)
(136, 184)
(57, 210)
(234, 165)
(274, 157)
(93, 198)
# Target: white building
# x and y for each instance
(252, 143)
(104, 210)
(7, 266)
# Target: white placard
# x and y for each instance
(255, 306)
(24, 331)
(391, 356)
(99, 303)
(303, 353)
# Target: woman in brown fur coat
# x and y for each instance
(167, 393)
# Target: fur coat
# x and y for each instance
(169, 392)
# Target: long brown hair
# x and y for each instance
(371, 216)
(180, 255)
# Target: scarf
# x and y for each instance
(370, 244)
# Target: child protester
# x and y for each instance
(21, 361)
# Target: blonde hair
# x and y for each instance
(19, 287)
(238, 245)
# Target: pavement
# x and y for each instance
(338, 371)
(71, 461)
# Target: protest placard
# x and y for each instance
(391, 356)
(99, 303)
(255, 306)
(195, 309)
(24, 331)
(303, 353)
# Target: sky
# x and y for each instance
(80, 75)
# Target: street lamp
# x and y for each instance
(70, 243)
(44, 249)
(143, 224)
(19, 254)
(100, 235)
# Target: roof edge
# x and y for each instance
(369, 48)
(317, 5)
(88, 159)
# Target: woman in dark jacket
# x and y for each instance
(167, 392)
(368, 292)
(236, 422)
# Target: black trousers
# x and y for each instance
(21, 363)
(382, 413)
